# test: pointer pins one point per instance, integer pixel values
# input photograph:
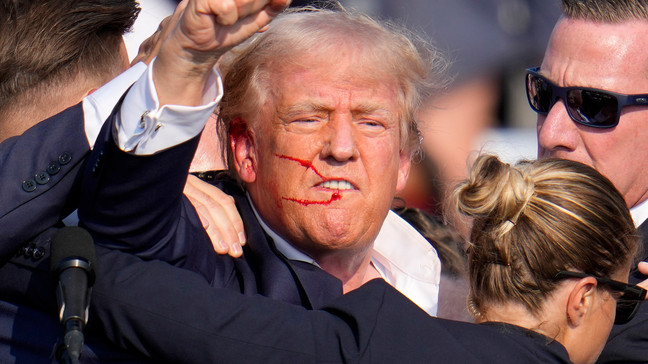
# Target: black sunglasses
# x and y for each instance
(586, 106)
(628, 301)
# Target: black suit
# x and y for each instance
(174, 315)
(39, 170)
(39, 187)
(629, 343)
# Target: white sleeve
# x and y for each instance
(98, 105)
(143, 127)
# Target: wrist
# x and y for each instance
(180, 74)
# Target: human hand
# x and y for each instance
(206, 30)
(150, 47)
(643, 269)
(218, 215)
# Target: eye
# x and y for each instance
(371, 123)
(306, 124)
(371, 126)
(306, 120)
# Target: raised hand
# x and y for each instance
(206, 30)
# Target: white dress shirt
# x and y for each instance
(639, 213)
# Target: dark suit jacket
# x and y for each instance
(174, 315)
(38, 187)
(629, 343)
(39, 170)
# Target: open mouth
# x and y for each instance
(338, 185)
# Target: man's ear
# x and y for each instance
(243, 150)
(403, 171)
(580, 301)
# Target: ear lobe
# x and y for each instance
(403, 171)
(243, 150)
(580, 300)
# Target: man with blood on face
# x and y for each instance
(317, 116)
(327, 140)
(322, 159)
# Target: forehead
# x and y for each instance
(608, 56)
(343, 80)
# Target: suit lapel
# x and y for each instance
(296, 282)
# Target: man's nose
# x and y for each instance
(341, 144)
(556, 130)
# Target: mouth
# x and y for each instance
(338, 185)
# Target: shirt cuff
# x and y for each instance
(98, 106)
(144, 128)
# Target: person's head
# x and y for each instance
(54, 52)
(534, 220)
(601, 45)
(318, 114)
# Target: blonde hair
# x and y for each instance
(397, 54)
(535, 219)
(607, 11)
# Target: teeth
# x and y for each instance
(337, 185)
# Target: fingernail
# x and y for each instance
(236, 248)
(222, 245)
(242, 239)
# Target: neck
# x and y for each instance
(28, 110)
(518, 315)
(352, 268)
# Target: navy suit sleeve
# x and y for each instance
(172, 315)
(135, 204)
(39, 175)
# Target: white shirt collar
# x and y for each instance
(282, 245)
(402, 256)
(639, 213)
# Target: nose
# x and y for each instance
(556, 131)
(341, 139)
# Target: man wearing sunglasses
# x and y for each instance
(591, 96)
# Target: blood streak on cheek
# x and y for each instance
(304, 163)
(334, 197)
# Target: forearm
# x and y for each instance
(135, 203)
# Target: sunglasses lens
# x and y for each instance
(592, 108)
(538, 93)
(625, 311)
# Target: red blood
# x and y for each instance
(304, 163)
(335, 196)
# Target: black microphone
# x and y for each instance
(72, 263)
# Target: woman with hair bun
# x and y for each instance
(552, 243)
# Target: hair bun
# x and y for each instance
(495, 191)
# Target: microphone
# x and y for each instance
(72, 263)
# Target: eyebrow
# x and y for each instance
(318, 107)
